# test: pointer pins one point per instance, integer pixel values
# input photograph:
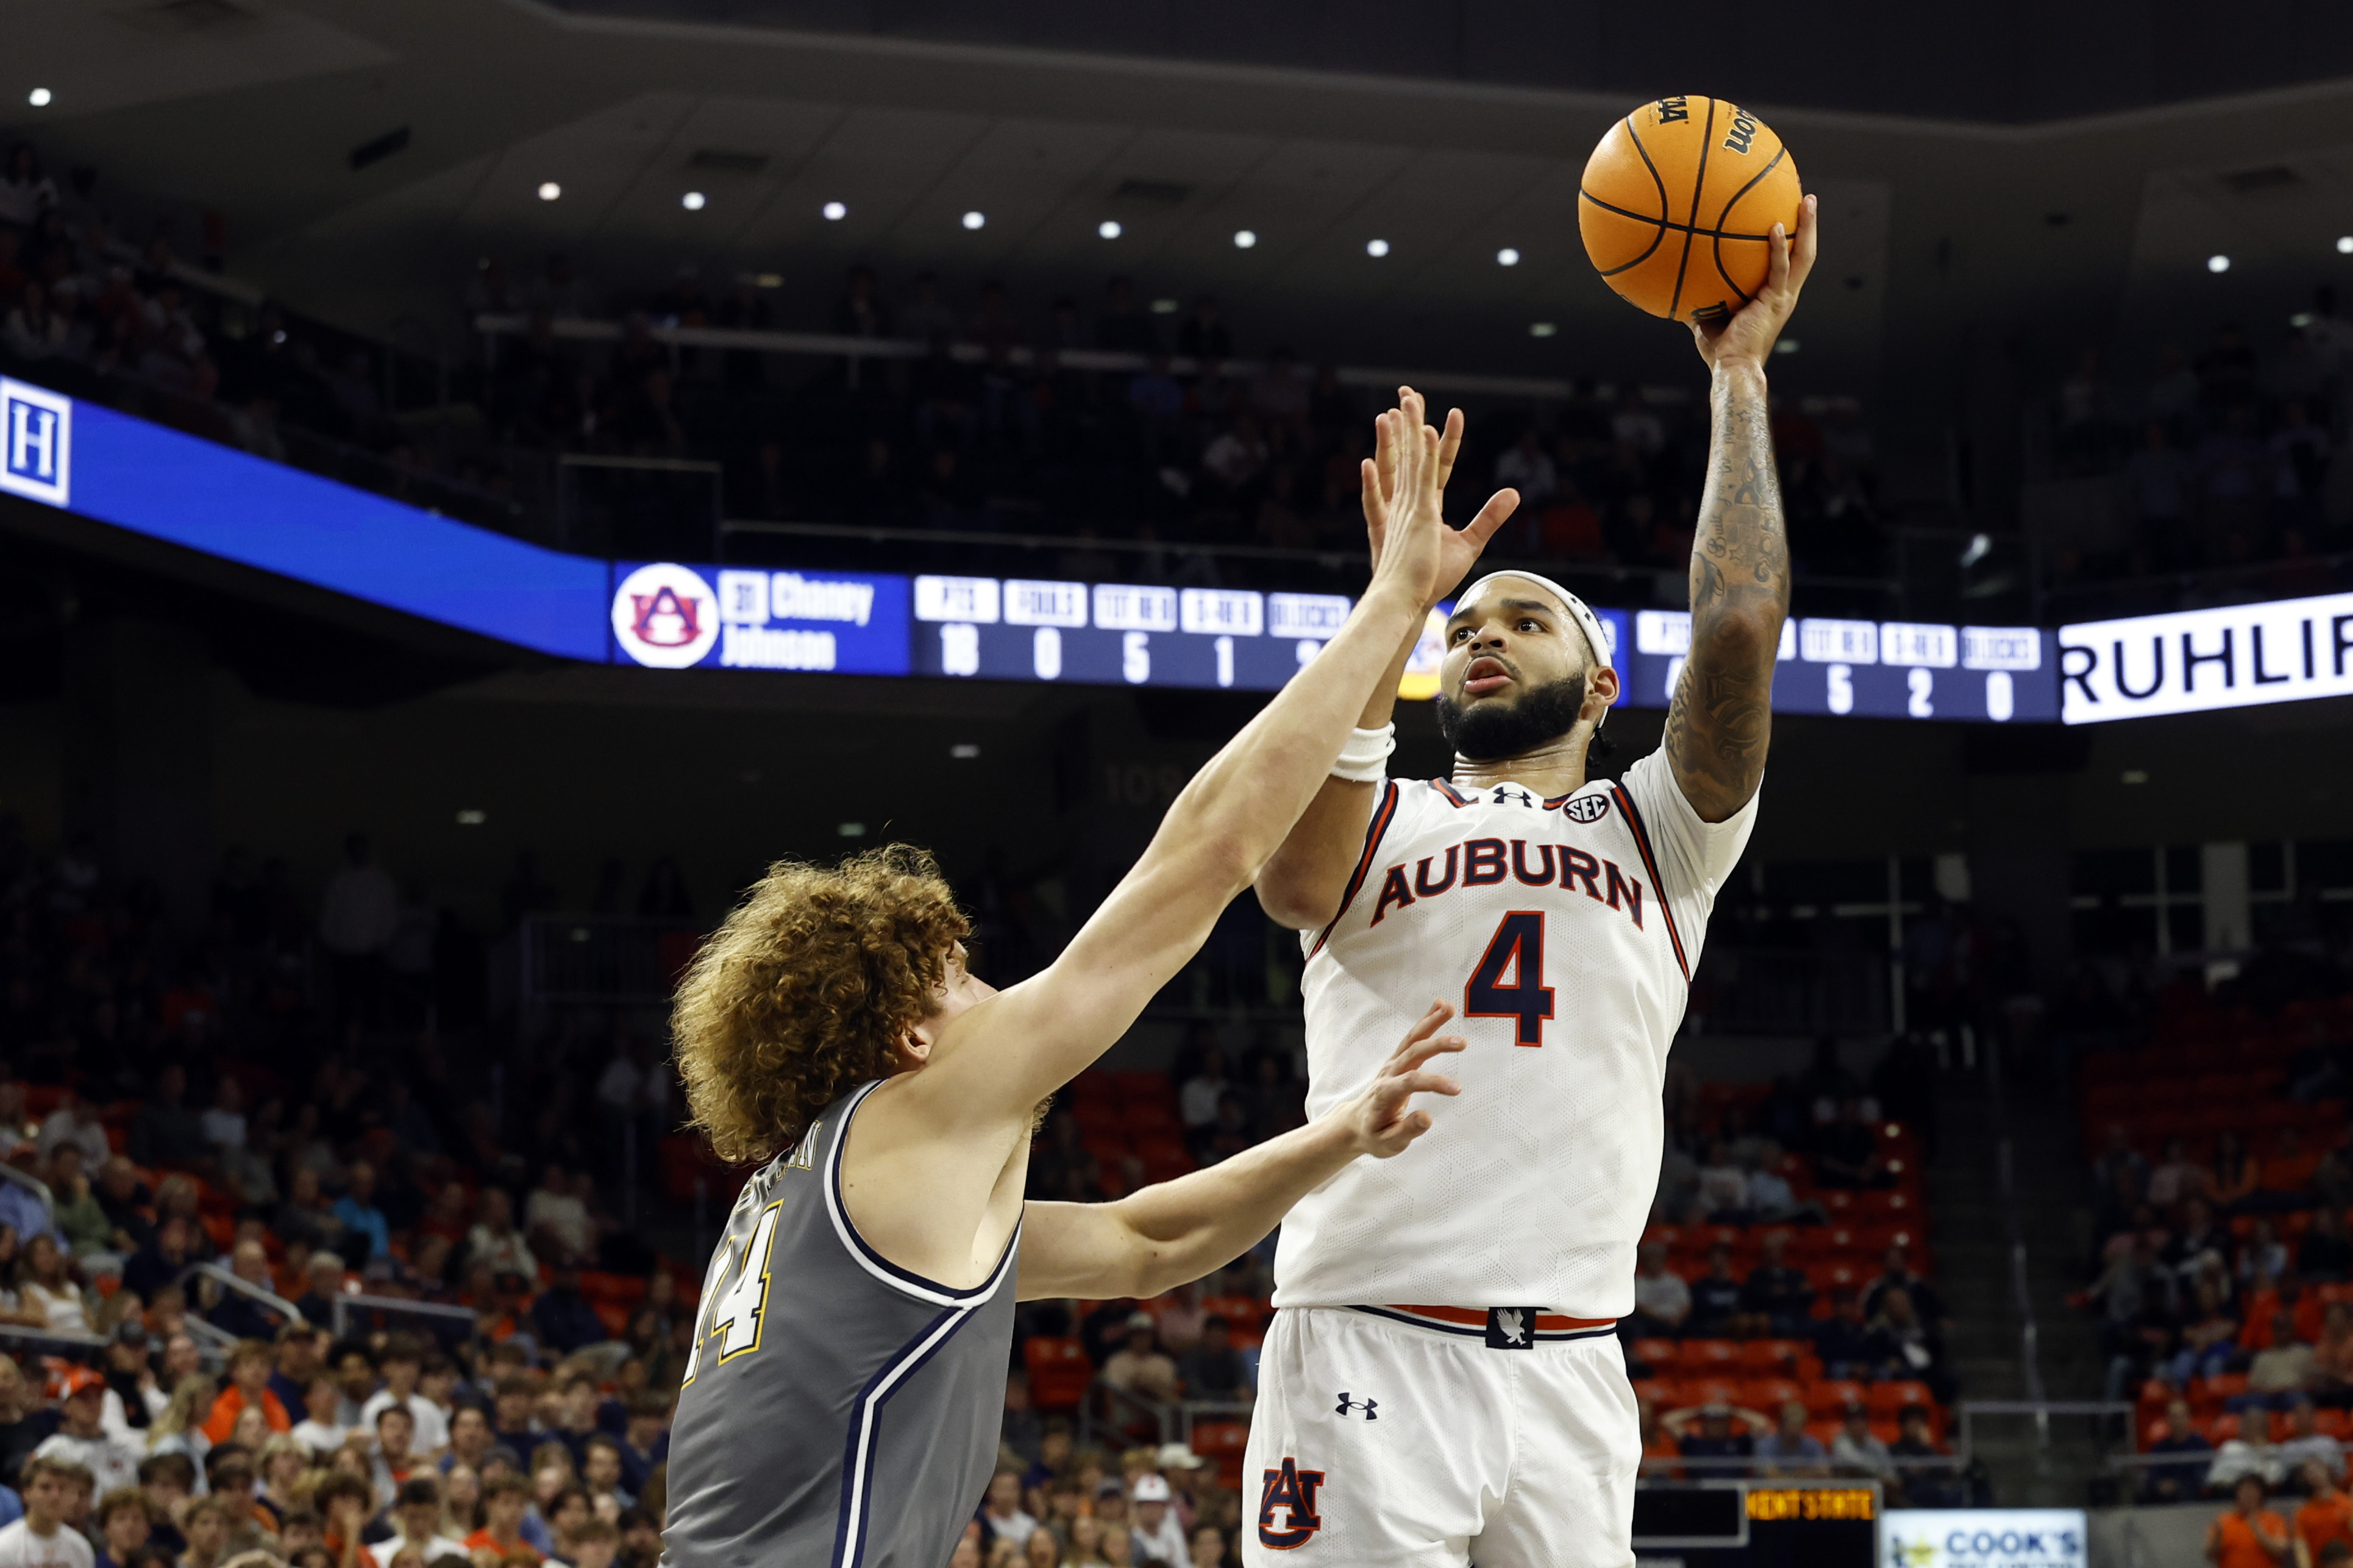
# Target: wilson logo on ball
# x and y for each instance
(1678, 203)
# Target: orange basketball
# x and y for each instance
(1678, 203)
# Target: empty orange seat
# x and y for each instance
(1889, 1398)
(1058, 1371)
(1150, 1116)
(1831, 1396)
(1713, 1390)
(1222, 1442)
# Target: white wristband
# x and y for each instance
(1366, 758)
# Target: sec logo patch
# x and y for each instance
(1587, 808)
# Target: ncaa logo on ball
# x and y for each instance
(665, 615)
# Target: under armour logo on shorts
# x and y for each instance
(1371, 1408)
(1511, 1328)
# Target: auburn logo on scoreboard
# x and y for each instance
(665, 615)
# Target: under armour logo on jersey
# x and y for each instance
(1291, 1490)
(1506, 795)
(1508, 1328)
(1371, 1408)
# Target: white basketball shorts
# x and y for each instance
(1385, 1442)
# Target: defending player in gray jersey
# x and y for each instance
(855, 1324)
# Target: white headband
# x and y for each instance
(1596, 638)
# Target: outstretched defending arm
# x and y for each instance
(994, 1062)
(1159, 1238)
(1721, 719)
(1300, 886)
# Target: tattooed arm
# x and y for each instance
(1721, 719)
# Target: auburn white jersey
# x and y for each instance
(1563, 932)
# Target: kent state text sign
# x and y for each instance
(2289, 650)
(1983, 1538)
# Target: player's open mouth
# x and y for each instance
(1483, 675)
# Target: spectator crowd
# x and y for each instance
(278, 1277)
(2222, 1276)
(989, 429)
(2217, 458)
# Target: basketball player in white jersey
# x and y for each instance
(1442, 1383)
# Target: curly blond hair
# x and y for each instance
(805, 991)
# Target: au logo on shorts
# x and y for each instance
(1290, 1491)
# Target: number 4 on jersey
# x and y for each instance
(737, 1303)
(1516, 951)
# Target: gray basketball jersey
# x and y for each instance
(837, 1409)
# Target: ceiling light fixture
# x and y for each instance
(1542, 329)
(975, 219)
(692, 201)
(2345, 244)
(1244, 239)
(1508, 256)
(1108, 228)
(834, 212)
(549, 190)
(2218, 263)
(472, 816)
(38, 98)
(1377, 248)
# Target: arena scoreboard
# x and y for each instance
(117, 471)
(674, 617)
(1756, 1524)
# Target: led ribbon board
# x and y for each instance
(62, 452)
(2239, 655)
(56, 451)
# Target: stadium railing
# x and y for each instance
(1105, 1403)
(444, 1324)
(203, 1284)
(836, 345)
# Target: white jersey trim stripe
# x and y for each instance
(849, 1535)
(873, 1262)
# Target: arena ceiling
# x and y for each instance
(1997, 64)
(2007, 169)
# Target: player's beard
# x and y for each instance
(1489, 731)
